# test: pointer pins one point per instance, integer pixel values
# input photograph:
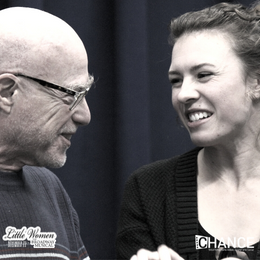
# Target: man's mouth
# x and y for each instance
(67, 136)
(196, 116)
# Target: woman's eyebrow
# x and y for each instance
(192, 69)
(197, 67)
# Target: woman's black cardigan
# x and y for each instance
(159, 206)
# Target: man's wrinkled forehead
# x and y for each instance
(38, 43)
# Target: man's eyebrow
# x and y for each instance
(77, 88)
(192, 69)
(82, 87)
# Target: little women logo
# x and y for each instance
(34, 235)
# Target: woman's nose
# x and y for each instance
(188, 92)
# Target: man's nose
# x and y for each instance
(82, 115)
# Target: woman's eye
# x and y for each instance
(204, 75)
(176, 82)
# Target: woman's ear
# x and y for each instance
(8, 86)
(254, 90)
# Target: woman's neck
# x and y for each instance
(233, 166)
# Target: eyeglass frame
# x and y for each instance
(78, 96)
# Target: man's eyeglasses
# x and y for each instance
(78, 96)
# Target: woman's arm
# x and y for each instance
(133, 230)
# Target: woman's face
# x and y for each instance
(210, 89)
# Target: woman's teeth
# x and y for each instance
(198, 116)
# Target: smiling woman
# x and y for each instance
(226, 118)
(193, 205)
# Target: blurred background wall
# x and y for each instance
(133, 122)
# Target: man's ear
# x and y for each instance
(8, 86)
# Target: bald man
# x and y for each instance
(43, 81)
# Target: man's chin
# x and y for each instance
(54, 161)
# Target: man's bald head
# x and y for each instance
(36, 121)
(36, 43)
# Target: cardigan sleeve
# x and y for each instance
(133, 230)
(143, 210)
